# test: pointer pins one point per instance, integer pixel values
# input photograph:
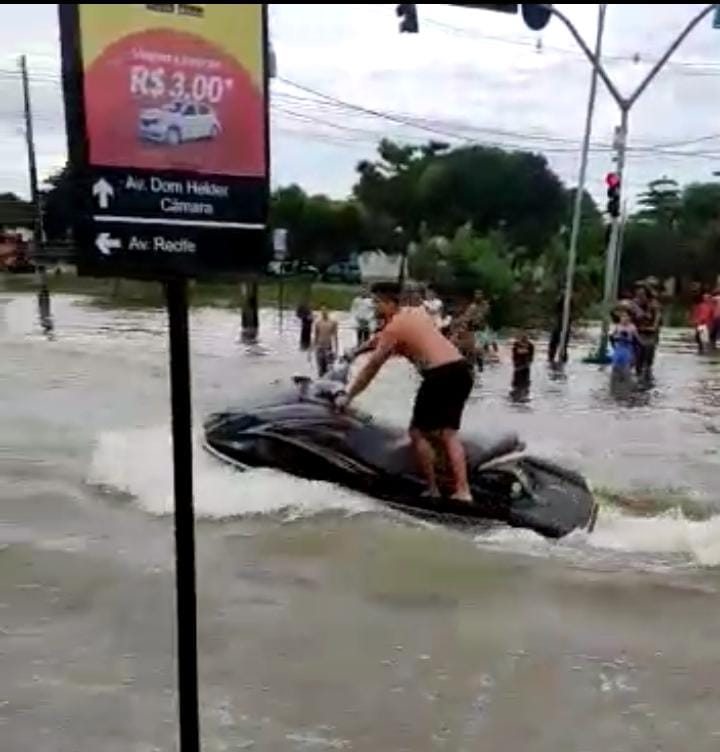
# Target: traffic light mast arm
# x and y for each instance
(594, 60)
(624, 103)
(661, 62)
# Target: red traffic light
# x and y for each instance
(612, 180)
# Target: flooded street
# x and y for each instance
(326, 622)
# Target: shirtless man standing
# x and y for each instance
(445, 387)
(325, 341)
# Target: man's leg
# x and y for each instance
(639, 359)
(553, 344)
(322, 361)
(565, 345)
(650, 359)
(458, 463)
(425, 456)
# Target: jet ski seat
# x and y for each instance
(487, 446)
(395, 451)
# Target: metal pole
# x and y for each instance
(618, 259)
(186, 605)
(661, 62)
(595, 62)
(593, 58)
(613, 245)
(577, 212)
(44, 310)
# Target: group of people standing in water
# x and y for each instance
(634, 336)
(636, 332)
(467, 327)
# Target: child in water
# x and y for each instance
(624, 340)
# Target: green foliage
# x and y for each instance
(58, 202)
(660, 204)
(320, 230)
(14, 212)
(466, 263)
(675, 234)
(514, 192)
(700, 206)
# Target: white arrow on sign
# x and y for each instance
(106, 244)
(103, 191)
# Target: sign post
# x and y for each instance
(167, 121)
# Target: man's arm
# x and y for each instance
(367, 346)
(336, 341)
(369, 371)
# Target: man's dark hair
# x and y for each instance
(390, 291)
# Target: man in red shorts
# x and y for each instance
(446, 385)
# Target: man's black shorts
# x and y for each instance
(442, 395)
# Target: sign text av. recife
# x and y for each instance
(166, 108)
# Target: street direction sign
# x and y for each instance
(166, 108)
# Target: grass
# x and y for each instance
(123, 293)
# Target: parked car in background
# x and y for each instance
(292, 268)
(347, 272)
(178, 121)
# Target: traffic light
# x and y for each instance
(535, 15)
(612, 180)
(407, 12)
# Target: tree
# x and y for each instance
(660, 203)
(515, 192)
(58, 204)
(320, 230)
(652, 249)
(674, 234)
(14, 212)
(700, 205)
(387, 190)
(465, 263)
(591, 241)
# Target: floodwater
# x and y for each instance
(326, 623)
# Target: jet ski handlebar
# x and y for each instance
(330, 386)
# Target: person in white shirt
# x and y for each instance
(434, 306)
(362, 310)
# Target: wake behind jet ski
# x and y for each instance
(301, 433)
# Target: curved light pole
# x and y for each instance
(625, 104)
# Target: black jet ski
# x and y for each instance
(301, 433)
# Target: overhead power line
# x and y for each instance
(699, 67)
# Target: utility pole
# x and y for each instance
(612, 255)
(38, 231)
(580, 192)
(618, 260)
(625, 104)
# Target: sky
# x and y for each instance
(469, 76)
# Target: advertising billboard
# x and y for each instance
(166, 109)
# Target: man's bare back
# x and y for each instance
(413, 334)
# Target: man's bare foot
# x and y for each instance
(430, 493)
(464, 498)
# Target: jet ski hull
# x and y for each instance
(309, 440)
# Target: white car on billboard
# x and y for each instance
(178, 121)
